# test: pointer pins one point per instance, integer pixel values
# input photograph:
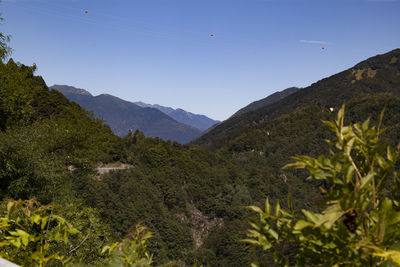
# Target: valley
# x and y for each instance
(190, 196)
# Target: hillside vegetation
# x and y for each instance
(379, 74)
(190, 197)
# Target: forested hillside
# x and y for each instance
(379, 74)
(190, 197)
(42, 133)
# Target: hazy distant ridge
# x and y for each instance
(124, 116)
(196, 120)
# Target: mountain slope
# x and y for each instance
(124, 116)
(173, 185)
(196, 120)
(275, 97)
(379, 74)
(70, 90)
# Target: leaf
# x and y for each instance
(393, 255)
(280, 259)
(290, 203)
(394, 218)
(385, 211)
(10, 204)
(366, 179)
(273, 233)
(340, 114)
(296, 165)
(267, 206)
(255, 209)
(349, 173)
(365, 125)
(381, 162)
(277, 209)
(381, 117)
(330, 216)
(35, 219)
(390, 154)
(311, 216)
(301, 224)
(57, 236)
(250, 241)
(24, 236)
(349, 146)
(330, 124)
(44, 222)
(73, 231)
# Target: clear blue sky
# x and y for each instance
(161, 51)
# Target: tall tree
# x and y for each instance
(5, 50)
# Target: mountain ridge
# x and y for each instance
(124, 116)
(270, 99)
(170, 180)
(199, 121)
(378, 74)
(69, 90)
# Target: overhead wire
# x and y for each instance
(116, 23)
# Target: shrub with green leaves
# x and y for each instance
(30, 231)
(360, 220)
(131, 251)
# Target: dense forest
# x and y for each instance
(190, 197)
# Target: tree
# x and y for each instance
(5, 50)
(360, 221)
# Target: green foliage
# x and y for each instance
(17, 90)
(131, 251)
(32, 234)
(41, 133)
(360, 221)
(86, 246)
(50, 147)
(5, 50)
(167, 182)
(29, 233)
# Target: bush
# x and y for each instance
(360, 221)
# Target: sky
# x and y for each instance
(162, 51)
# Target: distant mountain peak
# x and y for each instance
(67, 90)
(201, 122)
(122, 115)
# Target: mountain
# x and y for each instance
(275, 97)
(70, 90)
(191, 198)
(196, 120)
(124, 116)
(379, 74)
